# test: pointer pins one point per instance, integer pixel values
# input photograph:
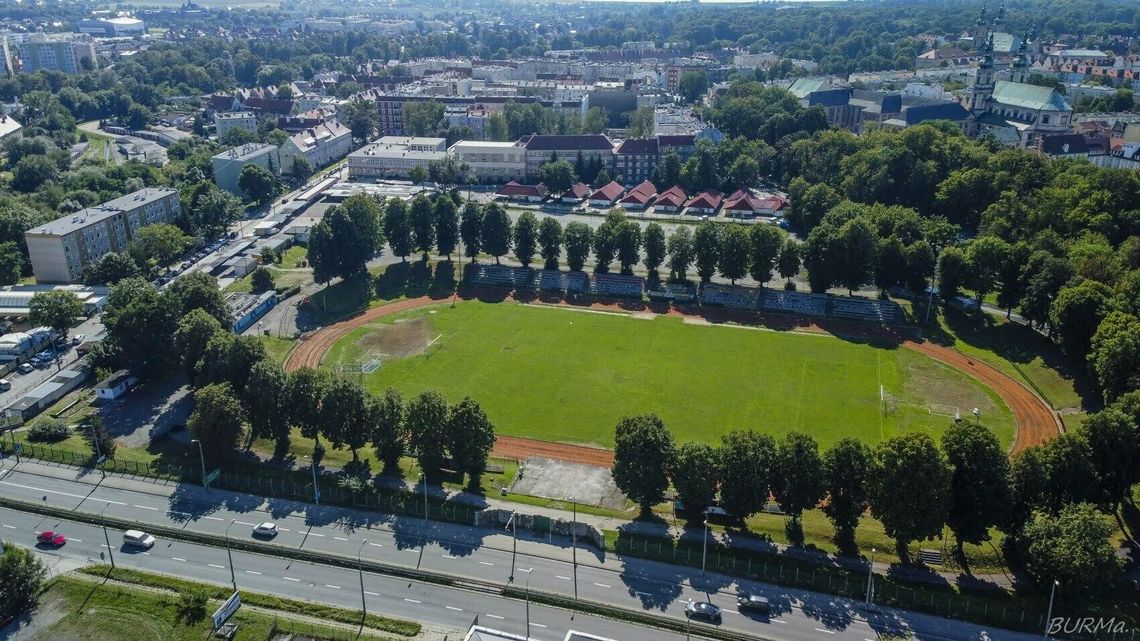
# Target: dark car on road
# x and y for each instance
(753, 603)
(703, 610)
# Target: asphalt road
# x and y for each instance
(485, 555)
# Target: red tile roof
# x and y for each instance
(672, 197)
(641, 194)
(742, 200)
(610, 192)
(579, 191)
(708, 199)
(514, 189)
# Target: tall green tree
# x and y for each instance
(910, 489)
(735, 252)
(471, 229)
(305, 390)
(798, 479)
(643, 454)
(1076, 313)
(398, 228)
(846, 474)
(550, 241)
(140, 324)
(159, 244)
(22, 577)
(789, 262)
(628, 244)
(654, 241)
(979, 489)
(605, 239)
(557, 176)
(748, 461)
(1073, 547)
(258, 183)
(108, 270)
(389, 431)
(856, 243)
(1114, 355)
(193, 333)
(495, 235)
(680, 253)
(426, 422)
(578, 238)
(199, 290)
(952, 272)
(985, 258)
(56, 309)
(472, 436)
(706, 249)
(218, 421)
(1114, 442)
(695, 475)
(446, 226)
(423, 225)
(267, 405)
(765, 242)
(525, 236)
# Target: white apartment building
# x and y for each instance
(60, 249)
(320, 145)
(228, 164)
(26, 53)
(224, 122)
(395, 156)
(491, 162)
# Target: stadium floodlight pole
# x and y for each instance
(1049, 614)
(870, 576)
(202, 458)
(230, 556)
(360, 571)
(103, 522)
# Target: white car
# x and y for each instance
(138, 539)
(78, 339)
(268, 530)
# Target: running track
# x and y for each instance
(1036, 421)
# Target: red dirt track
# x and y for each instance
(1035, 420)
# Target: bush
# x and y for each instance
(789, 286)
(48, 430)
(192, 604)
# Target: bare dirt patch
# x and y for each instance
(555, 479)
(927, 384)
(401, 339)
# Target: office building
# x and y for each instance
(395, 157)
(228, 164)
(491, 162)
(61, 249)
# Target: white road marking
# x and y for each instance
(146, 507)
(371, 593)
(827, 631)
(730, 611)
(289, 578)
(412, 600)
(77, 540)
(252, 572)
(559, 576)
(146, 553)
(213, 518)
(10, 527)
(244, 523)
(485, 563)
(340, 538)
(538, 625)
(603, 585)
(284, 529)
(413, 551)
(778, 621)
(316, 534)
(335, 587)
(527, 570)
(175, 558)
(215, 565)
(76, 496)
(448, 556)
(495, 616)
(452, 607)
(376, 545)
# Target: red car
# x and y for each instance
(51, 538)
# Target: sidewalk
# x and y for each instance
(528, 544)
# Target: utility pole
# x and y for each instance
(103, 522)
(426, 518)
(230, 556)
(870, 577)
(202, 458)
(705, 546)
(514, 542)
(98, 450)
(1049, 615)
(360, 570)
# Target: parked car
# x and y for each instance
(78, 339)
(5, 385)
(25, 368)
(753, 603)
(267, 530)
(703, 610)
(51, 538)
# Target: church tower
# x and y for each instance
(983, 88)
(981, 31)
(999, 21)
(1020, 66)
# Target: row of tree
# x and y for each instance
(913, 487)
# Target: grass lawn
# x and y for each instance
(277, 348)
(563, 375)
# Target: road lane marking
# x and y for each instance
(371, 593)
(74, 496)
(448, 556)
(527, 570)
(77, 540)
(335, 587)
(376, 545)
(485, 563)
(412, 600)
(603, 585)
(315, 534)
(215, 565)
(289, 578)
(284, 529)
(495, 616)
(175, 558)
(452, 607)
(778, 621)
(243, 523)
(730, 611)
(252, 572)
(213, 518)
(827, 631)
(146, 507)
(643, 594)
(412, 550)
(538, 625)
(10, 527)
(564, 578)
(340, 538)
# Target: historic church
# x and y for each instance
(1014, 112)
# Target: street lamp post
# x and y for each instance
(514, 542)
(360, 571)
(230, 556)
(98, 451)
(1049, 614)
(870, 576)
(574, 532)
(977, 416)
(202, 458)
(15, 446)
(103, 522)
(705, 546)
(426, 517)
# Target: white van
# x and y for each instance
(5, 385)
(138, 538)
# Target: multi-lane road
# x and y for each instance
(459, 551)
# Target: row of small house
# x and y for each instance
(742, 203)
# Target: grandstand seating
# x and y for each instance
(866, 309)
(549, 280)
(731, 296)
(617, 285)
(503, 276)
(679, 292)
(577, 282)
(793, 302)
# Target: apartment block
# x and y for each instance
(395, 157)
(27, 53)
(491, 162)
(542, 149)
(61, 249)
(225, 122)
(229, 163)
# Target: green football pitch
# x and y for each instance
(567, 375)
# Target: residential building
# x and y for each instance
(640, 196)
(606, 196)
(321, 145)
(8, 126)
(706, 202)
(577, 193)
(60, 249)
(635, 159)
(27, 53)
(541, 149)
(115, 385)
(671, 200)
(225, 122)
(229, 163)
(491, 162)
(395, 157)
(521, 193)
(944, 57)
